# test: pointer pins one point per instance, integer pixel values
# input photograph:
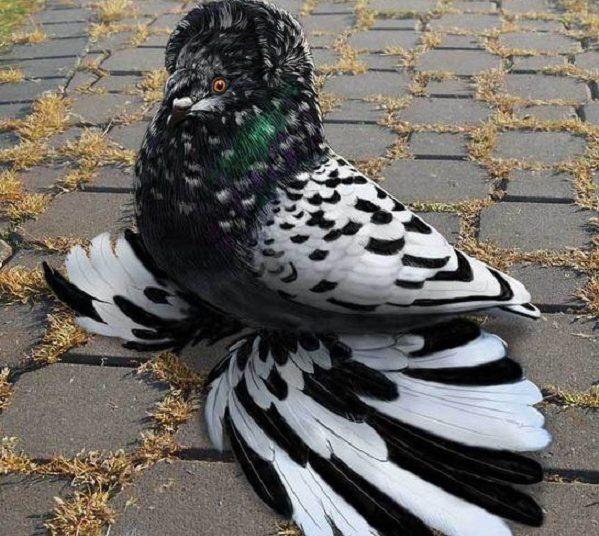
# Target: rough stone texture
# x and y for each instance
(173, 498)
(475, 23)
(372, 83)
(383, 62)
(551, 286)
(545, 147)
(539, 42)
(356, 111)
(588, 60)
(591, 112)
(557, 349)
(461, 62)
(129, 136)
(135, 60)
(447, 224)
(26, 91)
(456, 41)
(536, 63)
(438, 144)
(435, 180)
(100, 109)
(116, 83)
(445, 88)
(547, 112)
(21, 328)
(369, 140)
(380, 39)
(41, 178)
(532, 226)
(111, 178)
(79, 214)
(327, 23)
(540, 185)
(26, 502)
(524, 6)
(395, 24)
(416, 6)
(545, 87)
(425, 110)
(112, 403)
(51, 48)
(192, 434)
(5, 252)
(44, 68)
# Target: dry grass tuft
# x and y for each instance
(25, 155)
(287, 528)
(11, 461)
(585, 399)
(113, 10)
(308, 6)
(37, 35)
(27, 206)
(11, 188)
(104, 29)
(86, 513)
(142, 32)
(50, 115)
(365, 17)
(62, 335)
(173, 410)
(5, 388)
(590, 295)
(152, 85)
(11, 75)
(20, 284)
(167, 367)
(329, 101)
(58, 244)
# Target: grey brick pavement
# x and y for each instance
(532, 181)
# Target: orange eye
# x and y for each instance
(219, 85)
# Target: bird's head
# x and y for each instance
(231, 61)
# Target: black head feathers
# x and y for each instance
(275, 34)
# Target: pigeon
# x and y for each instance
(355, 396)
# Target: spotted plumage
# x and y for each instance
(354, 398)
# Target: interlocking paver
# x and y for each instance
(21, 328)
(178, 497)
(591, 112)
(435, 180)
(536, 63)
(532, 226)
(438, 144)
(79, 214)
(452, 41)
(26, 91)
(44, 68)
(40, 179)
(374, 140)
(380, 61)
(414, 6)
(26, 502)
(540, 185)
(53, 48)
(395, 24)
(426, 110)
(356, 110)
(373, 83)
(328, 23)
(118, 83)
(99, 109)
(463, 62)
(547, 112)
(524, 6)
(588, 60)
(135, 60)
(475, 23)
(545, 87)
(447, 224)
(129, 136)
(546, 147)
(539, 42)
(112, 409)
(450, 88)
(111, 178)
(382, 39)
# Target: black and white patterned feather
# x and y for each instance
(356, 400)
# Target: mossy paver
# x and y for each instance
(420, 76)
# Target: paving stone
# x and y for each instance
(155, 7)
(156, 40)
(447, 224)
(416, 6)
(8, 139)
(451, 88)
(537, 63)
(547, 112)
(97, 109)
(107, 351)
(524, 6)
(41, 178)
(113, 42)
(395, 24)
(51, 48)
(60, 139)
(588, 60)
(327, 23)
(129, 136)
(5, 252)
(111, 178)
(324, 56)
(112, 409)
(474, 6)
(545, 87)
(575, 443)
(340, 6)
(570, 509)
(44, 68)
(189, 497)
(475, 23)
(81, 79)
(118, 83)
(356, 111)
(382, 39)
(372, 83)
(540, 185)
(21, 328)
(192, 434)
(556, 349)
(539, 42)
(62, 15)
(62, 29)
(367, 141)
(381, 61)
(435, 180)
(551, 285)
(425, 110)
(135, 60)
(460, 41)
(591, 112)
(26, 91)
(545, 147)
(438, 144)
(532, 226)
(168, 20)
(26, 502)
(462, 62)
(542, 25)
(79, 214)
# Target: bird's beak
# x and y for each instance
(179, 111)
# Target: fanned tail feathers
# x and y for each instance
(117, 291)
(382, 435)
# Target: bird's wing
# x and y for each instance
(373, 435)
(337, 241)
